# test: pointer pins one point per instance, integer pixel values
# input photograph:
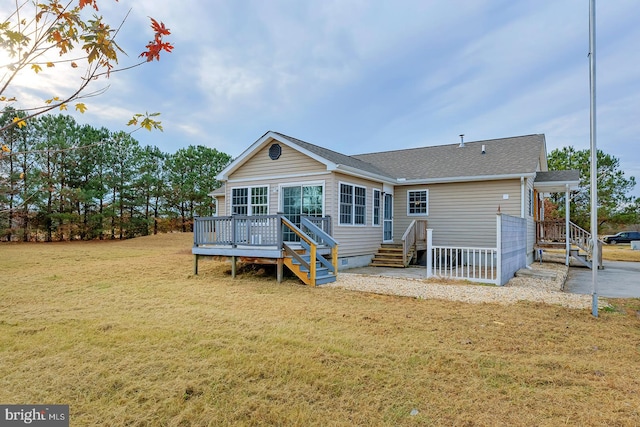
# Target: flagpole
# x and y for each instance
(594, 157)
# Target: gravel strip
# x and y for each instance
(547, 291)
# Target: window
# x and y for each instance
(250, 201)
(239, 201)
(376, 207)
(418, 202)
(300, 200)
(353, 204)
(259, 201)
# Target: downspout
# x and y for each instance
(522, 196)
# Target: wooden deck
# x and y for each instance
(270, 239)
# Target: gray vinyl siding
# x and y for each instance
(460, 214)
(356, 239)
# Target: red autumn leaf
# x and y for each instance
(156, 46)
(159, 28)
(92, 3)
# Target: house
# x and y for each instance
(457, 191)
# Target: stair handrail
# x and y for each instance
(326, 239)
(580, 237)
(408, 241)
(313, 245)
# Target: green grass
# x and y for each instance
(126, 335)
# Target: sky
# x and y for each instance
(360, 76)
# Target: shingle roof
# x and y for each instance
(503, 156)
(335, 157)
(558, 176)
(219, 191)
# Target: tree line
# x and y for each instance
(617, 209)
(60, 180)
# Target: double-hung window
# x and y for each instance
(353, 204)
(418, 202)
(239, 201)
(250, 200)
(259, 200)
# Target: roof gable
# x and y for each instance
(331, 159)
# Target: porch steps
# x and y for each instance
(580, 257)
(323, 275)
(389, 255)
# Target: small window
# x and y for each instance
(275, 151)
(418, 202)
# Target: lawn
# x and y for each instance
(621, 252)
(126, 335)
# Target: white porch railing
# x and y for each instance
(462, 263)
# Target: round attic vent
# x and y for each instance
(275, 151)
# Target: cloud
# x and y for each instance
(363, 75)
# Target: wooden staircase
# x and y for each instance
(390, 255)
(302, 269)
(552, 234)
(305, 261)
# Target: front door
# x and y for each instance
(387, 223)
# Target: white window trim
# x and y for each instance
(304, 184)
(373, 207)
(418, 214)
(249, 205)
(353, 205)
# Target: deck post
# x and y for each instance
(279, 270)
(280, 228)
(195, 264)
(429, 252)
(233, 267)
(233, 231)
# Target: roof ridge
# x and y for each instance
(446, 145)
(335, 156)
(315, 145)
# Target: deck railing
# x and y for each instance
(555, 231)
(263, 230)
(258, 230)
(322, 222)
(464, 263)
